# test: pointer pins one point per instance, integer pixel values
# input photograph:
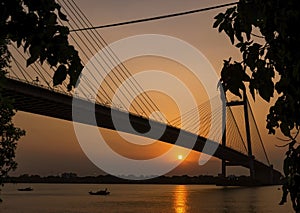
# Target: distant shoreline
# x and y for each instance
(72, 178)
(109, 179)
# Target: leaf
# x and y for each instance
(52, 19)
(239, 45)
(248, 33)
(34, 51)
(19, 42)
(64, 30)
(42, 57)
(59, 75)
(26, 45)
(230, 10)
(69, 87)
(52, 60)
(245, 77)
(62, 16)
(235, 89)
(31, 60)
(219, 18)
(237, 30)
(285, 129)
(266, 91)
(230, 32)
(271, 131)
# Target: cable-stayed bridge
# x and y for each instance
(32, 91)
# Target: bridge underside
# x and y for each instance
(39, 100)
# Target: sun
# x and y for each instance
(179, 157)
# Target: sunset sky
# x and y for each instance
(50, 145)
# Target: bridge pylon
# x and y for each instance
(251, 157)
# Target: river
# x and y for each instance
(141, 198)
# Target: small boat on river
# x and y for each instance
(26, 189)
(100, 192)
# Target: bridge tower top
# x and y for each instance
(244, 103)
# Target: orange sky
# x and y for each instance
(51, 147)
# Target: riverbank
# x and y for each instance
(109, 179)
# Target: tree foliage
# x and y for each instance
(9, 134)
(291, 169)
(265, 32)
(34, 26)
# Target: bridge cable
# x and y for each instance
(11, 70)
(205, 115)
(157, 17)
(20, 68)
(115, 59)
(88, 82)
(97, 59)
(190, 113)
(237, 120)
(260, 139)
(92, 37)
(237, 128)
(95, 79)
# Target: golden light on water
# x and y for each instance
(180, 199)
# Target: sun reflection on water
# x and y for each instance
(180, 199)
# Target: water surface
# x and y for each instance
(131, 198)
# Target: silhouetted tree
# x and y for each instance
(266, 33)
(33, 26)
(9, 134)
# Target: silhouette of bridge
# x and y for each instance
(32, 92)
(40, 100)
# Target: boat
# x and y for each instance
(26, 189)
(100, 192)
